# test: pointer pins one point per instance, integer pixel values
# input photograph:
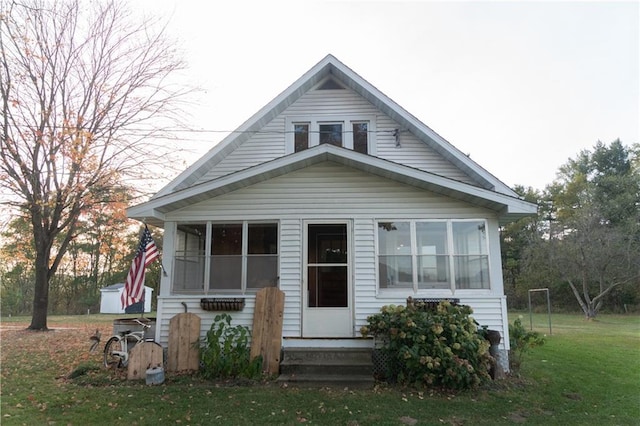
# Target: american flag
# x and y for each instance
(134, 285)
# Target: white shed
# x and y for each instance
(110, 300)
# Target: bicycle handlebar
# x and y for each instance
(141, 323)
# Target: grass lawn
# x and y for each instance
(586, 373)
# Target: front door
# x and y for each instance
(327, 283)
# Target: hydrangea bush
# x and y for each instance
(434, 347)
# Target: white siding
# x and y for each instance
(328, 190)
(333, 191)
(291, 275)
(269, 142)
(487, 310)
(170, 306)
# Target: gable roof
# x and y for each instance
(332, 67)
(507, 207)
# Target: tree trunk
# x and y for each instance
(41, 293)
(591, 311)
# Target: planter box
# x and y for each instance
(222, 303)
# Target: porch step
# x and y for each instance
(345, 367)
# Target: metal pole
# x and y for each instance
(549, 310)
(530, 313)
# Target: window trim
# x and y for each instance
(451, 259)
(206, 284)
(347, 122)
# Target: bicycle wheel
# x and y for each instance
(111, 359)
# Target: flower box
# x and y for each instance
(222, 303)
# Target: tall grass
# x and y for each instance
(586, 373)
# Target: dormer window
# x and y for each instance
(361, 137)
(331, 133)
(352, 132)
(301, 136)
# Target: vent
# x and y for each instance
(330, 84)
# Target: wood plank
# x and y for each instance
(266, 334)
(184, 334)
(144, 355)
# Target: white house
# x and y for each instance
(110, 299)
(342, 199)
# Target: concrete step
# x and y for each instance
(328, 380)
(350, 367)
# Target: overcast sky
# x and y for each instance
(520, 86)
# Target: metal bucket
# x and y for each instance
(155, 376)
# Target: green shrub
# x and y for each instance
(521, 341)
(438, 347)
(83, 369)
(225, 351)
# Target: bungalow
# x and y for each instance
(342, 199)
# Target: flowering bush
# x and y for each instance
(439, 347)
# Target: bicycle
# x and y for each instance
(116, 350)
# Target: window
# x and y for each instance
(470, 252)
(351, 132)
(238, 257)
(360, 137)
(301, 136)
(189, 259)
(432, 255)
(394, 259)
(331, 134)
(225, 272)
(442, 254)
(262, 255)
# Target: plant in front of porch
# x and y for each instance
(438, 347)
(521, 341)
(225, 351)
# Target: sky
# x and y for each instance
(521, 87)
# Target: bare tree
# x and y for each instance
(84, 88)
(595, 258)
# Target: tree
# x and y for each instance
(84, 88)
(16, 267)
(515, 238)
(595, 246)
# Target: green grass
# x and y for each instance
(586, 373)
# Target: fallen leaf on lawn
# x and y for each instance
(406, 420)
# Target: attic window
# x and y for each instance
(330, 84)
(355, 132)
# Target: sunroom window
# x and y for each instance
(189, 258)
(470, 254)
(394, 255)
(445, 254)
(226, 257)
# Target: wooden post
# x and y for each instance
(184, 336)
(266, 334)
